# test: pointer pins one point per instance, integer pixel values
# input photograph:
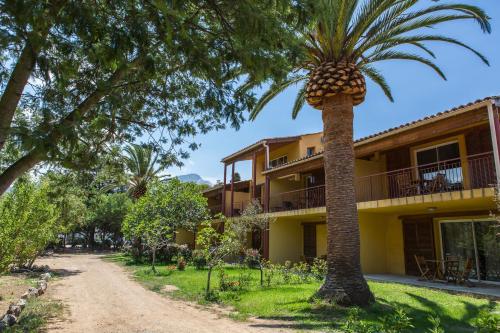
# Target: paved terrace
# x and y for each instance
(481, 290)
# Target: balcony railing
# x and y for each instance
(445, 176)
(299, 199)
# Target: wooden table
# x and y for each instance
(439, 266)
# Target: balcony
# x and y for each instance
(445, 176)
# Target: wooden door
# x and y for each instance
(309, 241)
(418, 235)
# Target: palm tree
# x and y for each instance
(345, 40)
(141, 164)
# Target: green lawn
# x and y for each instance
(293, 303)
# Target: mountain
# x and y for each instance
(194, 178)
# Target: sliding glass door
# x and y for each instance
(478, 240)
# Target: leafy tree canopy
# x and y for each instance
(97, 73)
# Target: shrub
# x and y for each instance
(252, 258)
(302, 273)
(226, 284)
(168, 252)
(184, 251)
(28, 224)
(286, 272)
(319, 269)
(487, 322)
(181, 263)
(199, 260)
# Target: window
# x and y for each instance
(310, 151)
(441, 161)
(476, 240)
(278, 161)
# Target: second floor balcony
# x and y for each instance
(474, 172)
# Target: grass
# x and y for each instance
(36, 315)
(292, 303)
(38, 310)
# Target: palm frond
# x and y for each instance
(377, 77)
(394, 55)
(299, 101)
(274, 90)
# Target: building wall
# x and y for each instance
(285, 240)
(381, 242)
(184, 237)
(310, 140)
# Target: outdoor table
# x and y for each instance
(439, 264)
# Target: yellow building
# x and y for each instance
(424, 188)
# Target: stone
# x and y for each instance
(32, 292)
(21, 303)
(25, 296)
(14, 309)
(42, 284)
(9, 319)
(45, 276)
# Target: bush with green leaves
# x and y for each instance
(487, 322)
(199, 260)
(319, 268)
(28, 224)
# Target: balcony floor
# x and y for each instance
(481, 290)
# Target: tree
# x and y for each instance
(165, 208)
(253, 218)
(142, 168)
(29, 224)
(346, 38)
(102, 73)
(216, 246)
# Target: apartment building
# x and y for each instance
(423, 188)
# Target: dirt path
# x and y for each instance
(100, 297)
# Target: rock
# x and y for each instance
(21, 303)
(9, 319)
(32, 292)
(42, 284)
(14, 310)
(45, 276)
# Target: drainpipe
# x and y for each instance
(495, 136)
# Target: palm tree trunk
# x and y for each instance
(344, 283)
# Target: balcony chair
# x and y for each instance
(406, 186)
(425, 272)
(452, 269)
(439, 183)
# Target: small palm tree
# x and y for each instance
(142, 169)
(345, 40)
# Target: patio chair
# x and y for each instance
(425, 272)
(439, 183)
(463, 277)
(452, 269)
(406, 186)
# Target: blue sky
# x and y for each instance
(417, 90)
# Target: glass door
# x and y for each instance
(458, 240)
(478, 240)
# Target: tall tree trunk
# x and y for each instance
(344, 283)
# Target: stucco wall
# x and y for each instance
(381, 242)
(285, 240)
(311, 140)
(184, 237)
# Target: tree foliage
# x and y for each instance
(28, 223)
(103, 73)
(165, 208)
(365, 33)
